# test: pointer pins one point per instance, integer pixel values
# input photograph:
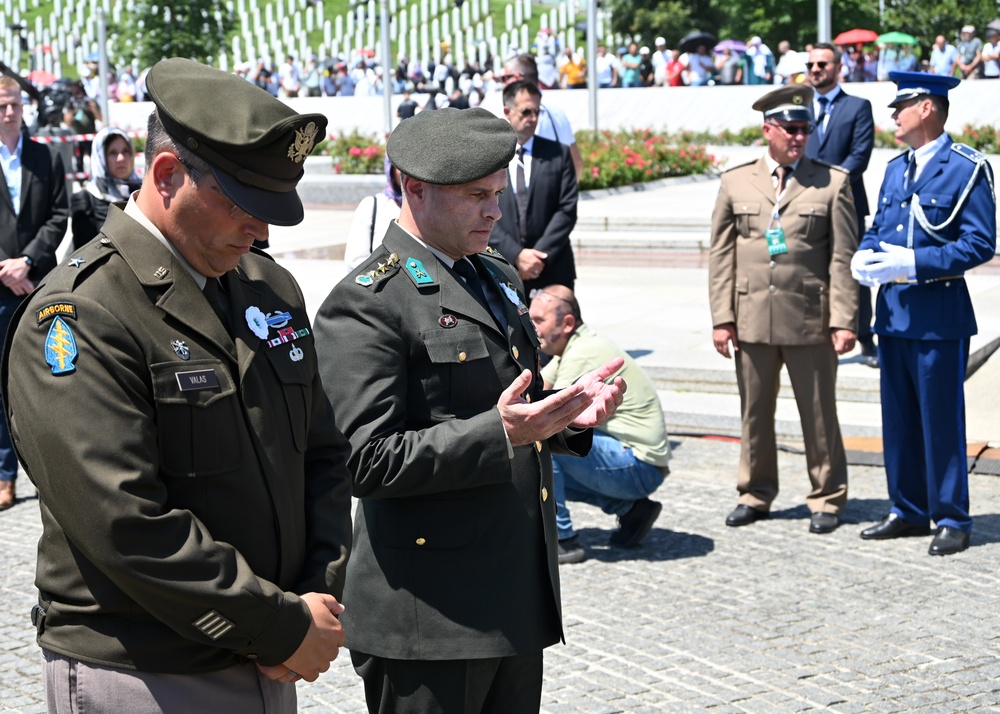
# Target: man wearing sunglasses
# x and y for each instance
(539, 205)
(845, 137)
(783, 231)
(194, 491)
(936, 220)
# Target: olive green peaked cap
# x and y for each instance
(255, 144)
(451, 146)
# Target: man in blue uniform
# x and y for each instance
(936, 220)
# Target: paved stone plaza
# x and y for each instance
(766, 618)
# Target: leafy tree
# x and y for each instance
(925, 20)
(644, 20)
(151, 31)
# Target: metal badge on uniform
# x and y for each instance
(302, 145)
(161, 272)
(448, 320)
(76, 262)
(296, 354)
(197, 379)
(512, 295)
(181, 348)
(278, 319)
(60, 348)
(257, 321)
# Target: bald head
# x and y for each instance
(555, 314)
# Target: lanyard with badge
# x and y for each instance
(774, 234)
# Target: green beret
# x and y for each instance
(451, 146)
(255, 144)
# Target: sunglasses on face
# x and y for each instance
(816, 65)
(792, 130)
(528, 112)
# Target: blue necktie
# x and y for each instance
(822, 115)
(911, 171)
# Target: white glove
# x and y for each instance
(896, 263)
(859, 268)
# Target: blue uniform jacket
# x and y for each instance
(931, 308)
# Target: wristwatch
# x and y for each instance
(28, 260)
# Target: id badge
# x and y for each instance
(776, 241)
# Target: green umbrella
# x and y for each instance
(896, 38)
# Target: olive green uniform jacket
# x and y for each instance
(181, 512)
(454, 542)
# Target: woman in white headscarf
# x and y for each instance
(113, 179)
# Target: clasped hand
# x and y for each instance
(586, 403)
(894, 262)
(320, 647)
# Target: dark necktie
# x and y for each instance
(823, 101)
(782, 172)
(213, 293)
(522, 196)
(911, 170)
(471, 277)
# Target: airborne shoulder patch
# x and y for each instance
(66, 309)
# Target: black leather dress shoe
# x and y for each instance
(892, 526)
(744, 516)
(949, 541)
(823, 522)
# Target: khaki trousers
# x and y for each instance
(812, 370)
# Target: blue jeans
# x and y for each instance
(609, 477)
(8, 459)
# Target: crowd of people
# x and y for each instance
(197, 548)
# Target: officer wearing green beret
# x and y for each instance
(780, 289)
(453, 587)
(164, 396)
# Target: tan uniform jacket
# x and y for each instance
(794, 298)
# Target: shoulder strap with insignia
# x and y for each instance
(739, 166)
(828, 165)
(968, 152)
(494, 253)
(378, 269)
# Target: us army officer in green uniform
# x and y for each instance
(429, 353)
(783, 233)
(193, 489)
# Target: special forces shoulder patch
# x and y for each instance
(60, 347)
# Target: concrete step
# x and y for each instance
(716, 381)
(709, 413)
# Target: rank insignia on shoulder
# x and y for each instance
(384, 269)
(417, 272)
(968, 152)
(60, 348)
(66, 309)
(76, 262)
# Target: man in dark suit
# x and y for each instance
(539, 206)
(845, 137)
(453, 585)
(34, 212)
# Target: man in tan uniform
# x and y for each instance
(783, 233)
